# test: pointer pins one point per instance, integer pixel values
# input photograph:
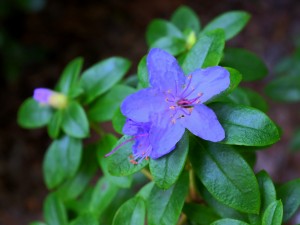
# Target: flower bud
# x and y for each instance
(49, 97)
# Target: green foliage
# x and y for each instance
(251, 66)
(102, 76)
(94, 177)
(33, 115)
(166, 170)
(231, 22)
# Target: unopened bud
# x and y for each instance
(49, 97)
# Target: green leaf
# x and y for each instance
(166, 170)
(273, 214)
(231, 22)
(145, 191)
(73, 187)
(105, 145)
(69, 77)
(267, 193)
(267, 189)
(206, 52)
(199, 214)
(103, 194)
(75, 122)
(86, 219)
(295, 142)
(234, 183)
(245, 125)
(221, 209)
(284, 89)
(119, 163)
(62, 160)
(159, 28)
(54, 124)
(164, 206)
(102, 76)
(229, 222)
(54, 211)
(289, 194)
(118, 121)
(172, 45)
(142, 72)
(33, 115)
(131, 212)
(185, 18)
(104, 107)
(251, 66)
(245, 96)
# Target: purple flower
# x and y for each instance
(49, 97)
(174, 102)
(141, 149)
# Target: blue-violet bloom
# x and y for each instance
(141, 149)
(176, 101)
(48, 97)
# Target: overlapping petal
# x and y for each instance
(164, 71)
(140, 105)
(164, 135)
(204, 123)
(208, 82)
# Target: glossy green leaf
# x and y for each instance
(103, 194)
(200, 214)
(206, 52)
(142, 72)
(86, 219)
(106, 145)
(229, 222)
(118, 121)
(62, 160)
(119, 163)
(54, 211)
(172, 45)
(159, 28)
(267, 189)
(284, 89)
(131, 212)
(221, 209)
(73, 187)
(145, 191)
(185, 18)
(289, 194)
(166, 170)
(273, 214)
(164, 206)
(104, 107)
(245, 125)
(250, 65)
(226, 175)
(295, 142)
(69, 77)
(102, 76)
(231, 22)
(33, 115)
(54, 124)
(75, 122)
(245, 96)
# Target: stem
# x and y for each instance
(182, 219)
(193, 193)
(147, 174)
(97, 129)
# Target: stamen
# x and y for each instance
(172, 107)
(187, 87)
(119, 146)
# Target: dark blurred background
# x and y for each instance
(39, 37)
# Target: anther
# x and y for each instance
(172, 107)
(133, 162)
